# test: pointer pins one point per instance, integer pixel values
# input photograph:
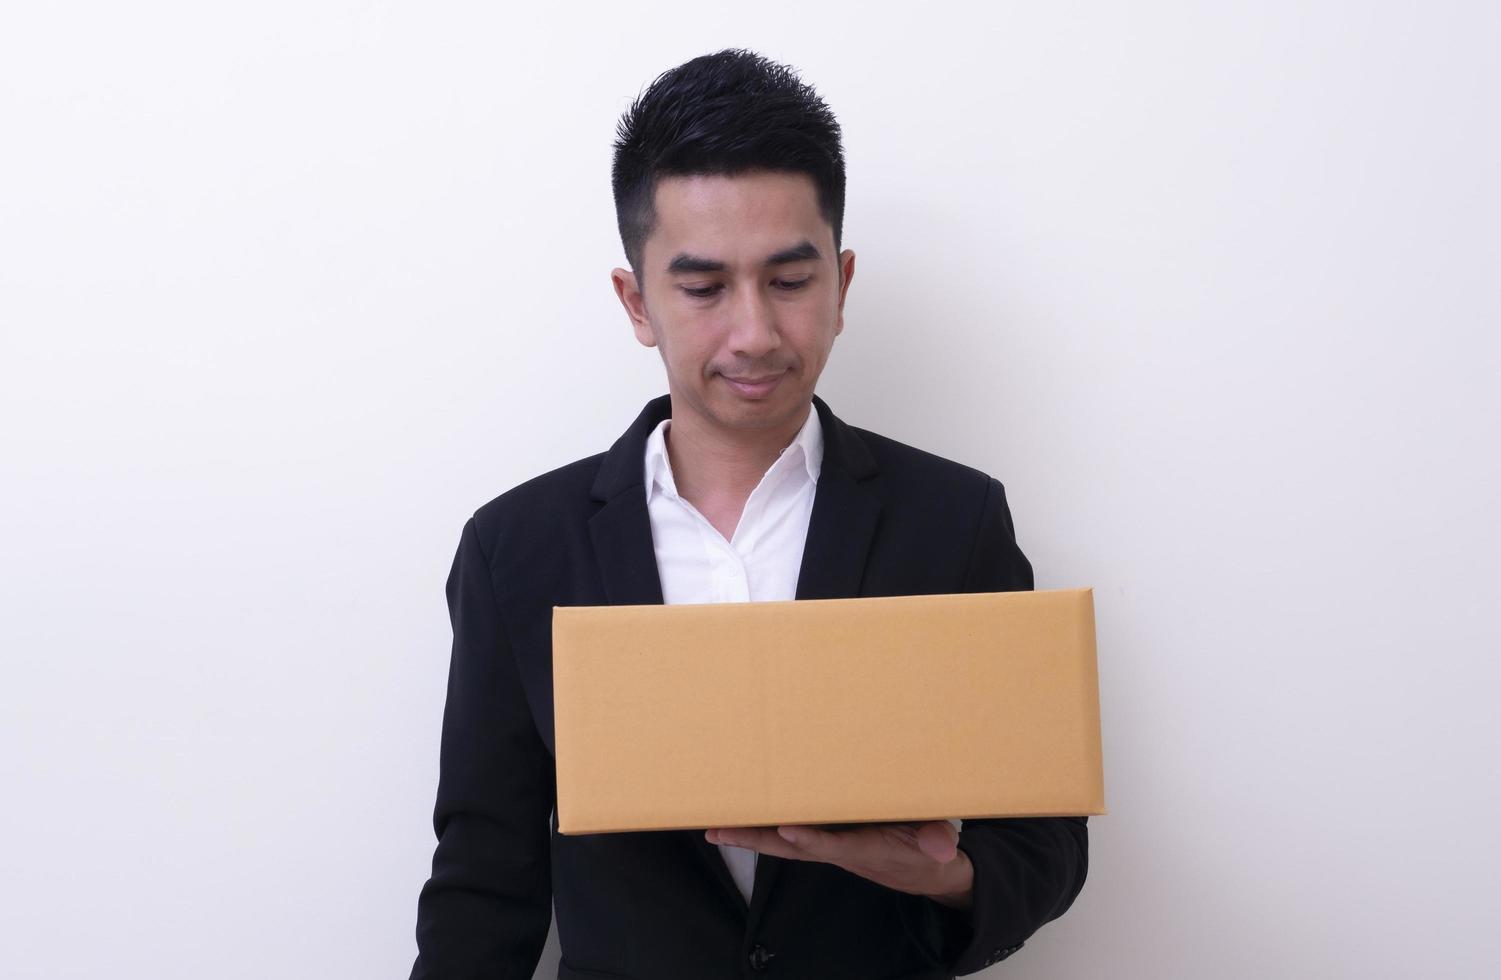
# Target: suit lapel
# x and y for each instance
(621, 529)
(845, 514)
(621, 532)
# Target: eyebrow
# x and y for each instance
(801, 252)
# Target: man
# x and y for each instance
(740, 484)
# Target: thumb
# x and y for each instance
(938, 840)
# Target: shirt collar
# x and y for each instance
(806, 447)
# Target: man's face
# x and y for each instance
(740, 283)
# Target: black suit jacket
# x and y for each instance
(887, 519)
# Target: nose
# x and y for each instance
(753, 331)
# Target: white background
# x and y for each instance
(288, 289)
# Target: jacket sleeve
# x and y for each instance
(486, 910)
(1028, 871)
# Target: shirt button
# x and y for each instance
(760, 959)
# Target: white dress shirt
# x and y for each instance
(759, 563)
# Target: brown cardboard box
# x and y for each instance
(826, 710)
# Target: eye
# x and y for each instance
(791, 284)
(701, 292)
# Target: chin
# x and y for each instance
(763, 414)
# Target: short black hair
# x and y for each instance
(725, 113)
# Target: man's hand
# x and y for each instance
(917, 858)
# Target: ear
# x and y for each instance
(846, 273)
(629, 292)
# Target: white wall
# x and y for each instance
(288, 289)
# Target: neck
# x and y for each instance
(712, 462)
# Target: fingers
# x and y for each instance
(763, 839)
(936, 839)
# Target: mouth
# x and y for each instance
(754, 387)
